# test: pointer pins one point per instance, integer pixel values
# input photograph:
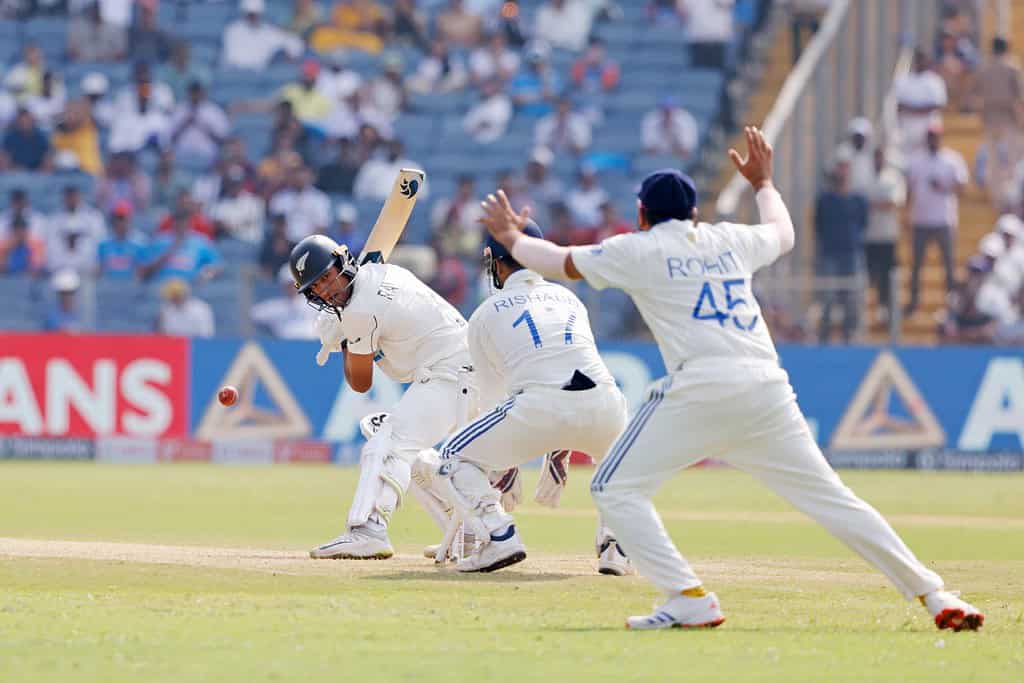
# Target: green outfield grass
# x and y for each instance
(250, 607)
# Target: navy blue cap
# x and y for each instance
(668, 193)
(498, 250)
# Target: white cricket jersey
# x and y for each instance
(401, 322)
(691, 284)
(534, 332)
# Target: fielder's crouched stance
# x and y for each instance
(380, 313)
(533, 339)
(725, 395)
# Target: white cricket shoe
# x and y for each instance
(355, 544)
(500, 552)
(611, 560)
(681, 612)
(949, 611)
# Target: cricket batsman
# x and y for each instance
(381, 314)
(725, 395)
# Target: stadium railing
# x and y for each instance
(847, 70)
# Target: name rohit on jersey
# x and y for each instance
(692, 266)
(511, 302)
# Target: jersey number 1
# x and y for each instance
(537, 343)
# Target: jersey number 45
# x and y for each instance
(707, 308)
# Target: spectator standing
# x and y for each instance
(276, 246)
(181, 253)
(858, 149)
(25, 146)
(956, 67)
(288, 316)
(238, 213)
(886, 194)
(935, 178)
(181, 314)
(63, 316)
(535, 87)
(495, 60)
(585, 200)
(565, 130)
(188, 209)
(709, 30)
(90, 39)
(123, 182)
(21, 252)
(180, 72)
(840, 219)
(564, 24)
(75, 233)
(308, 210)
(21, 207)
(458, 26)
(487, 120)
(76, 132)
(198, 127)
(920, 97)
(120, 255)
(999, 91)
(147, 42)
(251, 43)
(669, 129)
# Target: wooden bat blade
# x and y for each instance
(393, 216)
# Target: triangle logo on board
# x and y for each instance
(887, 413)
(245, 420)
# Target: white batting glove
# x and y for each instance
(510, 486)
(371, 424)
(328, 328)
(554, 475)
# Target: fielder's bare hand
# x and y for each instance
(501, 220)
(757, 167)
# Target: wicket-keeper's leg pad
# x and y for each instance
(470, 490)
(383, 480)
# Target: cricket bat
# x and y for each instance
(393, 216)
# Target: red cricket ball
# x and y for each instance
(228, 396)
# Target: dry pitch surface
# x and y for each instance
(190, 573)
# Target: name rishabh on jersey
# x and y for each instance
(534, 332)
(692, 285)
(401, 322)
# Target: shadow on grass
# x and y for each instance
(450, 575)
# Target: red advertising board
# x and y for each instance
(92, 385)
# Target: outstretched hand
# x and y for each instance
(757, 167)
(501, 220)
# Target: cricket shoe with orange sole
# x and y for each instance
(949, 611)
(681, 612)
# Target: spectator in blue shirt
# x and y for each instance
(536, 86)
(25, 146)
(121, 255)
(181, 253)
(840, 219)
(63, 317)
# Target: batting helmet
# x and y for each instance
(495, 251)
(314, 256)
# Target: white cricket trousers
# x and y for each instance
(538, 420)
(755, 427)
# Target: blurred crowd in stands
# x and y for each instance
(160, 180)
(874, 183)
